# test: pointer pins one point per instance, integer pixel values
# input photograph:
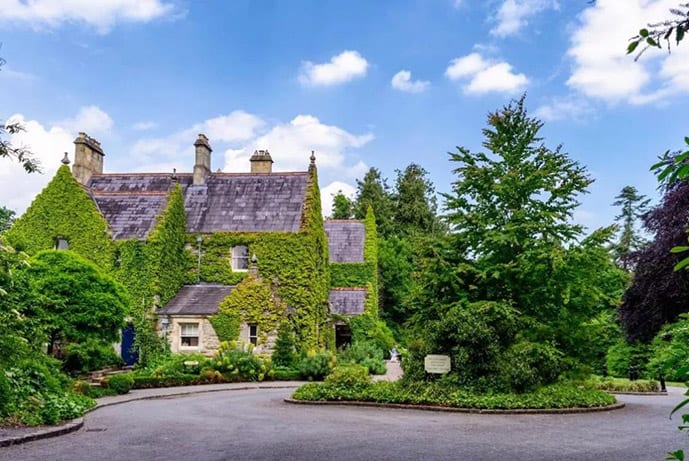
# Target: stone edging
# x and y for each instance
(634, 393)
(404, 406)
(70, 426)
(76, 424)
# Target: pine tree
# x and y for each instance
(633, 207)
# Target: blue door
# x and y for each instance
(128, 353)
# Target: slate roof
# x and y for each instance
(345, 240)
(200, 299)
(234, 202)
(347, 301)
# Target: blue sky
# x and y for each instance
(363, 83)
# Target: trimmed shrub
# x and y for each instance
(121, 383)
(286, 374)
(348, 376)
(285, 354)
(316, 365)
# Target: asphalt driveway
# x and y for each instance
(258, 425)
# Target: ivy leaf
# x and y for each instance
(676, 455)
(681, 265)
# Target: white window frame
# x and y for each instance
(195, 328)
(237, 257)
(253, 339)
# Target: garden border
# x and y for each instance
(408, 406)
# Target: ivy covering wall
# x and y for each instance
(252, 301)
(294, 264)
(64, 209)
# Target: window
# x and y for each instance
(190, 334)
(61, 244)
(253, 333)
(240, 258)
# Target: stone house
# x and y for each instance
(208, 255)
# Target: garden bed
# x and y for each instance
(554, 397)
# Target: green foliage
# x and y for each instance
(286, 374)
(633, 206)
(63, 209)
(364, 353)
(285, 352)
(415, 204)
(238, 363)
(316, 365)
(226, 325)
(166, 247)
(623, 385)
(18, 153)
(373, 192)
(120, 383)
(343, 207)
(481, 296)
(672, 29)
(253, 301)
(40, 394)
(351, 274)
(7, 218)
(624, 356)
(670, 351)
(554, 396)
(348, 376)
(73, 299)
(89, 355)
(5, 394)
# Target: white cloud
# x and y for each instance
(144, 126)
(484, 75)
(512, 16)
(328, 195)
(101, 14)
(48, 146)
(90, 119)
(176, 151)
(567, 108)
(402, 81)
(602, 69)
(342, 68)
(290, 145)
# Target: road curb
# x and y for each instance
(182, 394)
(403, 406)
(76, 424)
(636, 393)
(44, 433)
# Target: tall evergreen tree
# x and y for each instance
(374, 191)
(633, 206)
(343, 207)
(415, 204)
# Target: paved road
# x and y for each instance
(258, 425)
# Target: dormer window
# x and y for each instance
(240, 258)
(61, 244)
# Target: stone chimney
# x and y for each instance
(261, 162)
(202, 168)
(88, 158)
